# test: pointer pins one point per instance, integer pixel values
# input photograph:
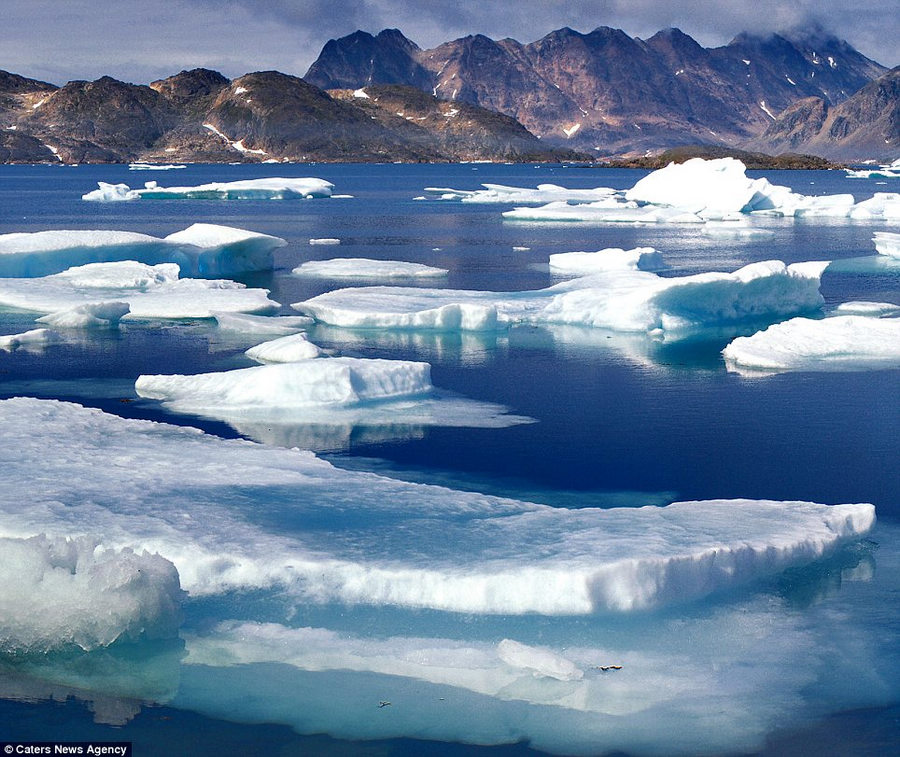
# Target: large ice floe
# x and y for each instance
(543, 193)
(246, 189)
(359, 538)
(841, 342)
(59, 593)
(148, 291)
(299, 399)
(200, 250)
(619, 297)
(364, 268)
(696, 191)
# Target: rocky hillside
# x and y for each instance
(201, 116)
(608, 92)
(866, 125)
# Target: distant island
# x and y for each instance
(808, 98)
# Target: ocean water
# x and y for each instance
(804, 657)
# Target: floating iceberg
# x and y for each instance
(881, 206)
(884, 171)
(887, 243)
(148, 291)
(843, 342)
(200, 250)
(606, 211)
(610, 259)
(154, 166)
(359, 538)
(325, 241)
(58, 593)
(31, 338)
(247, 189)
(498, 193)
(363, 268)
(619, 300)
(287, 349)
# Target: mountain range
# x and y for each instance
(567, 96)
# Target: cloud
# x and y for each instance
(84, 39)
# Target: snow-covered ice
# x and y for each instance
(200, 250)
(610, 259)
(246, 189)
(841, 342)
(887, 243)
(620, 300)
(364, 268)
(149, 291)
(287, 349)
(58, 593)
(359, 538)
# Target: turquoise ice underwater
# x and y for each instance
(486, 610)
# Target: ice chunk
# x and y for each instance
(359, 538)
(867, 308)
(845, 342)
(603, 211)
(58, 593)
(149, 291)
(887, 243)
(325, 241)
(34, 337)
(262, 324)
(610, 259)
(882, 205)
(287, 349)
(92, 315)
(499, 193)
(620, 300)
(203, 249)
(153, 166)
(362, 268)
(247, 189)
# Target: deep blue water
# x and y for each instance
(616, 424)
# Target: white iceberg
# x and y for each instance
(618, 299)
(842, 342)
(149, 292)
(58, 593)
(358, 538)
(246, 189)
(499, 193)
(887, 243)
(364, 268)
(200, 250)
(610, 259)
(27, 339)
(287, 349)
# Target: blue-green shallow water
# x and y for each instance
(619, 421)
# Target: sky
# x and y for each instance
(143, 40)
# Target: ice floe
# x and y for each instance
(200, 250)
(149, 292)
(364, 268)
(246, 189)
(618, 299)
(359, 538)
(325, 241)
(499, 193)
(30, 338)
(287, 349)
(92, 315)
(884, 171)
(702, 192)
(58, 593)
(609, 259)
(841, 342)
(244, 323)
(154, 166)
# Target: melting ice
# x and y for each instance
(247, 189)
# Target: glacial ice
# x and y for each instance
(58, 593)
(619, 300)
(888, 243)
(149, 291)
(498, 193)
(359, 538)
(363, 268)
(702, 191)
(610, 259)
(287, 349)
(247, 189)
(841, 342)
(200, 250)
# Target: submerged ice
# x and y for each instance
(200, 250)
(359, 538)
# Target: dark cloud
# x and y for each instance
(84, 39)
